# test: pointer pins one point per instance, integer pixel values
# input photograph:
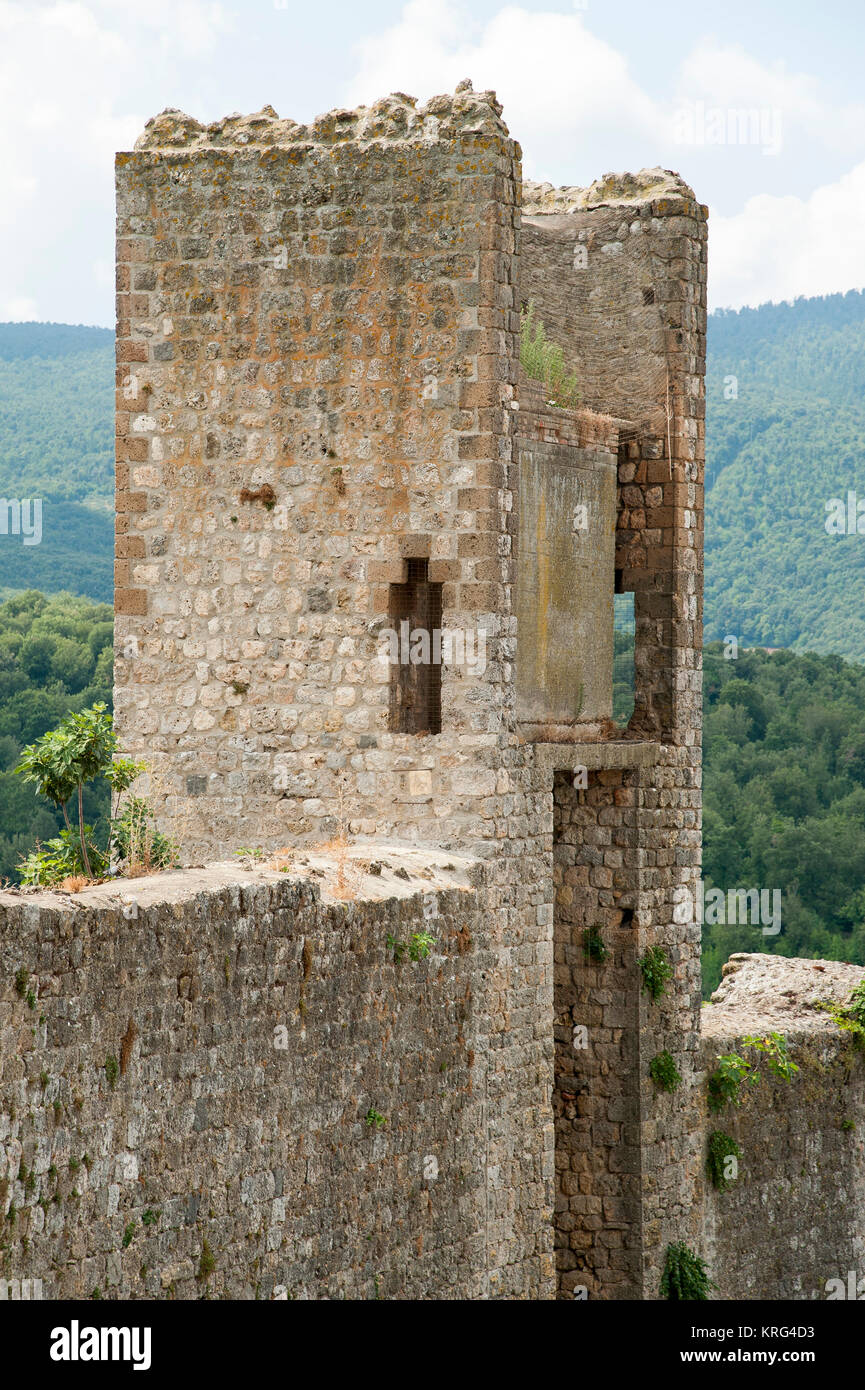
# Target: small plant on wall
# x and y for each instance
(774, 1046)
(722, 1160)
(662, 1070)
(656, 970)
(733, 1069)
(685, 1277)
(545, 361)
(851, 1015)
(725, 1081)
(418, 946)
(593, 945)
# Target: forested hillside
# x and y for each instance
(784, 800)
(790, 437)
(57, 444)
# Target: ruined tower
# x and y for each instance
(365, 580)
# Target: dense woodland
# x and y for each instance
(55, 658)
(784, 732)
(57, 444)
(784, 800)
(791, 439)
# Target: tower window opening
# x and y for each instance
(415, 611)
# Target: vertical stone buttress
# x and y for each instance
(618, 275)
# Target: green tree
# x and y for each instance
(60, 762)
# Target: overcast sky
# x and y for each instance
(605, 85)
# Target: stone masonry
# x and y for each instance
(365, 575)
(202, 1065)
(319, 406)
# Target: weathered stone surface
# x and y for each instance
(779, 993)
(612, 190)
(253, 1022)
(793, 1219)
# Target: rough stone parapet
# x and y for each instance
(396, 117)
(613, 190)
(763, 993)
(580, 428)
(790, 1222)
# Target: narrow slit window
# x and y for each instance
(415, 611)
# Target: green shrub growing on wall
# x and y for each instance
(656, 971)
(725, 1081)
(684, 1276)
(774, 1046)
(545, 361)
(418, 946)
(593, 945)
(722, 1148)
(851, 1015)
(733, 1069)
(856, 1004)
(662, 1070)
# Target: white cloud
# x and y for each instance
(777, 248)
(192, 26)
(78, 79)
(570, 99)
(77, 83)
(19, 310)
(726, 76)
(566, 93)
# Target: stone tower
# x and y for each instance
(365, 576)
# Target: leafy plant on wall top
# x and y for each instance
(851, 1015)
(59, 764)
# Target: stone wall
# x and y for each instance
(188, 1065)
(628, 1156)
(316, 366)
(192, 1058)
(794, 1218)
(596, 1100)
